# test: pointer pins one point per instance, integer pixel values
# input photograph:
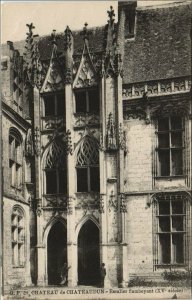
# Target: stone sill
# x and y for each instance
(170, 266)
(170, 178)
(87, 193)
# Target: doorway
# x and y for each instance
(88, 255)
(57, 252)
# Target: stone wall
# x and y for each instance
(139, 235)
(138, 161)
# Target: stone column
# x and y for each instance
(121, 200)
(109, 165)
(71, 239)
(40, 248)
(103, 190)
(41, 266)
(71, 245)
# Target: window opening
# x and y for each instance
(18, 237)
(170, 146)
(56, 168)
(171, 220)
(54, 105)
(15, 160)
(87, 101)
(88, 178)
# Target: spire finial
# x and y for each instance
(54, 37)
(31, 54)
(85, 33)
(31, 26)
(67, 38)
(111, 15)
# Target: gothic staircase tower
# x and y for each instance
(114, 246)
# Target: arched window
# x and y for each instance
(18, 237)
(15, 158)
(56, 168)
(87, 166)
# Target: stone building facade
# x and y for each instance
(96, 150)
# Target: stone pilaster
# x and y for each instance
(71, 242)
(121, 201)
(38, 193)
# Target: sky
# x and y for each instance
(49, 15)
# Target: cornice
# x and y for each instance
(19, 199)
(154, 88)
(15, 117)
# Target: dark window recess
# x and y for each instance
(62, 177)
(80, 98)
(54, 105)
(178, 254)
(94, 101)
(176, 123)
(164, 162)
(51, 182)
(177, 162)
(94, 179)
(49, 105)
(60, 105)
(163, 124)
(164, 208)
(56, 181)
(164, 241)
(170, 146)
(82, 182)
(177, 207)
(130, 11)
(164, 224)
(131, 26)
(164, 140)
(176, 139)
(87, 101)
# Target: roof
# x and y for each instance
(96, 42)
(162, 44)
(161, 48)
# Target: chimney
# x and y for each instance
(128, 9)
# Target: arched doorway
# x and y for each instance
(57, 252)
(88, 254)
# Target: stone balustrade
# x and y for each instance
(156, 88)
(52, 123)
(85, 119)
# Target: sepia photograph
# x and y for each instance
(96, 149)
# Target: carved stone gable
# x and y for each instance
(86, 74)
(53, 80)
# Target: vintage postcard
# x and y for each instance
(96, 146)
